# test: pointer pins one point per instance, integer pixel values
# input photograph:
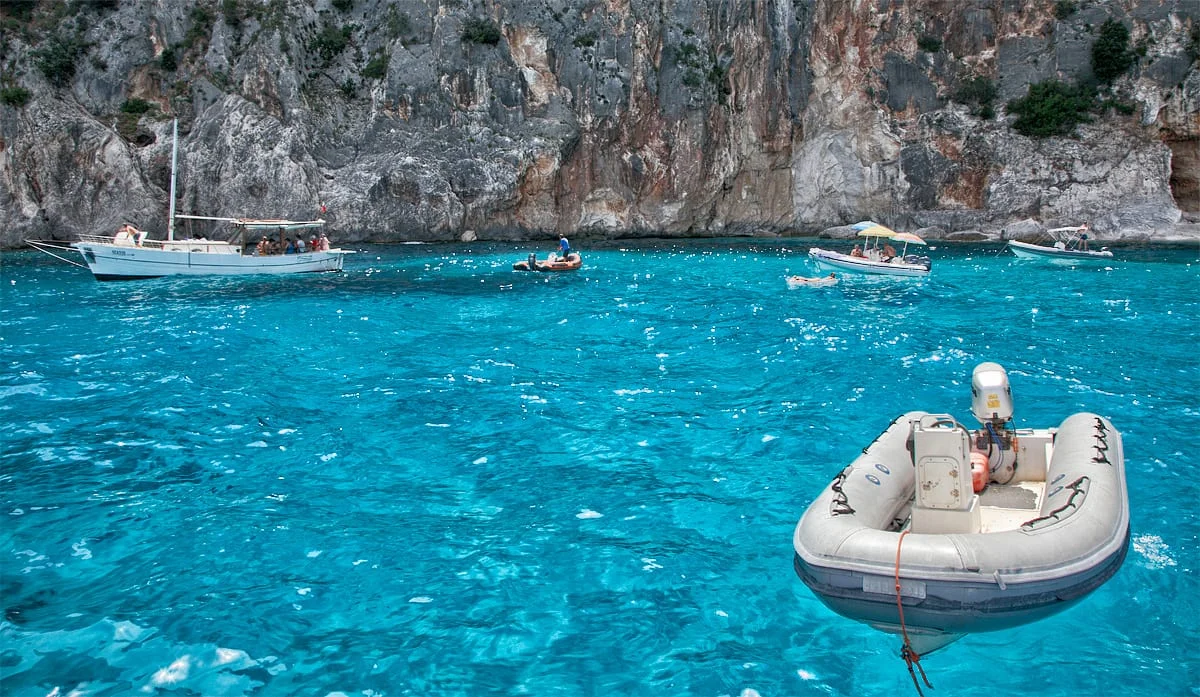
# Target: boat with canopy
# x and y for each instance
(1067, 243)
(128, 254)
(877, 255)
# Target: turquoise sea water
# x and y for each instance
(432, 475)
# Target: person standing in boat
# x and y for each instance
(1083, 237)
(564, 247)
(299, 244)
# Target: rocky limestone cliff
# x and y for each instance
(427, 120)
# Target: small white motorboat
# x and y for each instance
(1069, 244)
(876, 257)
(935, 531)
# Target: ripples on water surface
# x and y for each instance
(433, 475)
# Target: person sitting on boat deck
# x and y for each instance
(128, 234)
(263, 248)
(299, 244)
(291, 247)
(857, 252)
(889, 252)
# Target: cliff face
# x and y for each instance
(427, 120)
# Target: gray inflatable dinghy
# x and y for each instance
(900, 539)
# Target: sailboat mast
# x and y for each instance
(174, 156)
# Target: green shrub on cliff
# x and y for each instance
(1051, 108)
(929, 44)
(232, 13)
(478, 30)
(201, 29)
(56, 59)
(398, 23)
(376, 68)
(14, 96)
(133, 105)
(718, 75)
(1111, 56)
(18, 10)
(1065, 8)
(330, 42)
(979, 93)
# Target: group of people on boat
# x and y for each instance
(288, 245)
(886, 253)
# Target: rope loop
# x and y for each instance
(910, 656)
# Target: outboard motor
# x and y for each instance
(992, 404)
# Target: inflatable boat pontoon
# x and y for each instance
(900, 539)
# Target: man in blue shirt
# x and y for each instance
(564, 247)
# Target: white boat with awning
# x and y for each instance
(877, 256)
(1068, 243)
(128, 254)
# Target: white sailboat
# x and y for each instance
(128, 255)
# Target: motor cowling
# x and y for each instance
(991, 396)
(992, 405)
